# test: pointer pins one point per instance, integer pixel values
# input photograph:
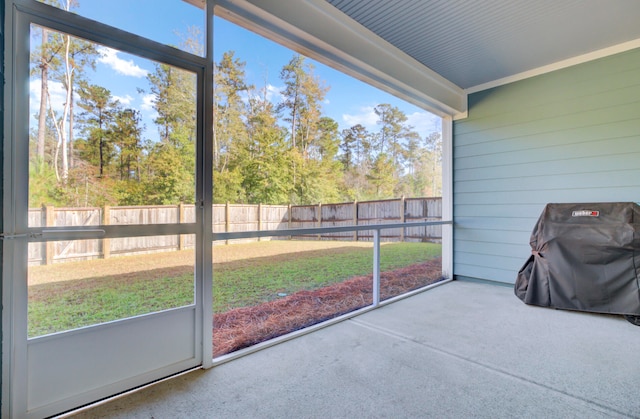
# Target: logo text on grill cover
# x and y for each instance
(585, 213)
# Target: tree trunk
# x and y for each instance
(44, 86)
(101, 142)
(71, 162)
(59, 135)
(294, 111)
(65, 114)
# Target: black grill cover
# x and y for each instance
(584, 257)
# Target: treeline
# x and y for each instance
(265, 150)
(287, 151)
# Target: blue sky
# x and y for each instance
(348, 101)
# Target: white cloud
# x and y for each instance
(273, 93)
(148, 102)
(424, 123)
(365, 117)
(57, 93)
(125, 67)
(124, 100)
(147, 106)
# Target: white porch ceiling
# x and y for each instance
(476, 42)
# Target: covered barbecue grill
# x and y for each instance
(585, 257)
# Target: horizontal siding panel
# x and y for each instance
(620, 161)
(628, 128)
(559, 152)
(562, 104)
(542, 197)
(514, 210)
(492, 236)
(494, 223)
(495, 249)
(552, 112)
(592, 179)
(532, 128)
(558, 84)
(486, 261)
(584, 193)
(531, 151)
(480, 272)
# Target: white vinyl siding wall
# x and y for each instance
(572, 135)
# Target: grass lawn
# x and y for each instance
(71, 295)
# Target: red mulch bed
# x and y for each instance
(243, 327)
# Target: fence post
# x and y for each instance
(319, 219)
(226, 220)
(106, 243)
(181, 238)
(403, 211)
(259, 218)
(355, 220)
(289, 223)
(50, 247)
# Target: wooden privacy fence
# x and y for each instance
(228, 218)
(386, 211)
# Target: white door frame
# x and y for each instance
(31, 366)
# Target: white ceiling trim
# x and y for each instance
(323, 33)
(580, 59)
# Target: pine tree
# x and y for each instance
(229, 111)
(267, 163)
(96, 121)
(303, 96)
(395, 133)
(174, 92)
(126, 135)
(381, 177)
(170, 176)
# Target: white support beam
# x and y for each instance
(206, 280)
(320, 31)
(447, 197)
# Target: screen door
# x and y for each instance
(103, 234)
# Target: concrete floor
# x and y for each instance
(461, 350)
